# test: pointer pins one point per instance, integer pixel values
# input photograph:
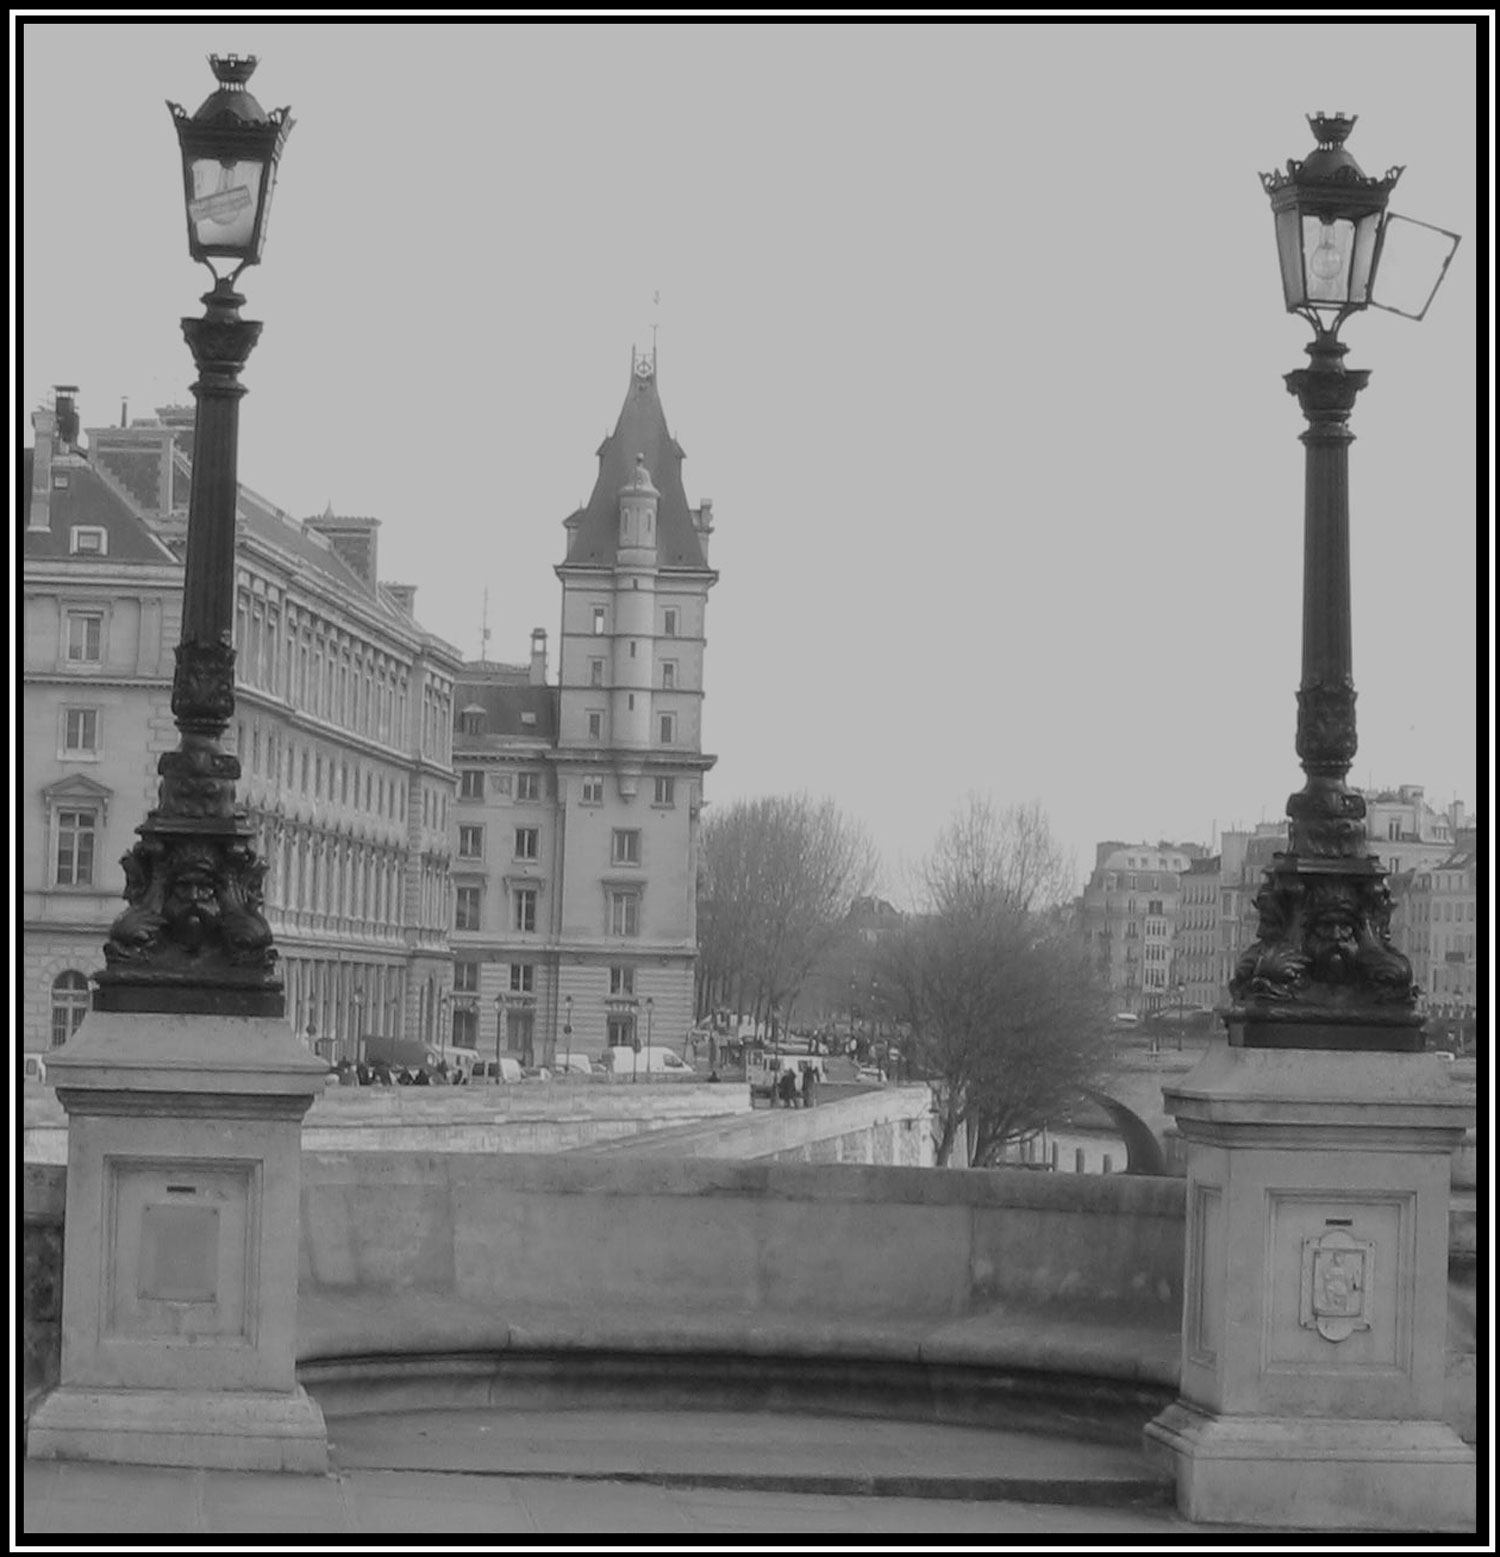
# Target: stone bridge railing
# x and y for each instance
(443, 1278)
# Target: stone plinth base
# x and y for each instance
(1302, 1473)
(243, 1430)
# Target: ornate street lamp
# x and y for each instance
(650, 1007)
(193, 938)
(1323, 974)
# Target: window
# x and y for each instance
(669, 675)
(471, 722)
(528, 786)
(466, 978)
(632, 648)
(596, 726)
(81, 731)
(526, 843)
(70, 1004)
(596, 673)
(526, 909)
(465, 1027)
(1155, 906)
(471, 784)
(669, 623)
(627, 846)
(467, 913)
(75, 848)
(624, 913)
(85, 634)
(87, 541)
(666, 791)
(593, 791)
(522, 978)
(471, 843)
(598, 621)
(668, 729)
(622, 981)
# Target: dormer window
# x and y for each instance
(59, 480)
(86, 540)
(471, 722)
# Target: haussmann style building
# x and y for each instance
(576, 820)
(343, 726)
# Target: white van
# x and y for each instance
(571, 1064)
(653, 1061)
(490, 1071)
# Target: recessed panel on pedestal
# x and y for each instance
(180, 1238)
(1339, 1290)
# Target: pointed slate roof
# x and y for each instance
(641, 430)
(86, 500)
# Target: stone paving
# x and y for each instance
(629, 1473)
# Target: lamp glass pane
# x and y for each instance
(1327, 248)
(1367, 230)
(1289, 248)
(1413, 261)
(226, 196)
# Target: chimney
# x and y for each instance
(703, 522)
(538, 656)
(67, 416)
(353, 540)
(39, 521)
(403, 597)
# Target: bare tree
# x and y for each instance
(1008, 859)
(1003, 1015)
(776, 878)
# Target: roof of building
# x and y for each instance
(87, 501)
(505, 706)
(641, 430)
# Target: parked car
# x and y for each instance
(645, 1061)
(565, 1065)
(505, 1069)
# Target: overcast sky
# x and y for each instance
(973, 334)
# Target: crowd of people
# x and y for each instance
(379, 1074)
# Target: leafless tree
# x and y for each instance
(1002, 1014)
(775, 880)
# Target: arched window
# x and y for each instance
(70, 1004)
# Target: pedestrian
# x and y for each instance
(421, 1078)
(787, 1089)
(809, 1085)
(362, 1074)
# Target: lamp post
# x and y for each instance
(499, 1028)
(357, 1000)
(568, 1023)
(650, 1007)
(193, 938)
(1322, 973)
(1319, 1138)
(185, 1087)
(445, 1008)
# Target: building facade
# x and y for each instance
(576, 820)
(342, 725)
(1129, 917)
(1435, 923)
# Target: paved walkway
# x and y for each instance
(658, 1472)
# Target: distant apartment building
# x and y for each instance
(342, 726)
(575, 828)
(1435, 923)
(1129, 918)
(1405, 832)
(1197, 962)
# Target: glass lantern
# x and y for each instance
(230, 151)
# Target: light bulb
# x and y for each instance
(1327, 260)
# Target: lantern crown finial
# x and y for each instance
(1332, 130)
(233, 71)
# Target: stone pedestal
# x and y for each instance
(1315, 1298)
(180, 1246)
